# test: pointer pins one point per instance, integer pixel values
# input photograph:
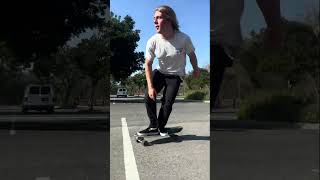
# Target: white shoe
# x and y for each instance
(163, 132)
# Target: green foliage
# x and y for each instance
(66, 74)
(201, 82)
(297, 61)
(300, 53)
(123, 37)
(270, 106)
(38, 28)
(136, 84)
(93, 57)
(275, 105)
(197, 95)
(310, 113)
(113, 86)
(12, 91)
(34, 34)
(8, 63)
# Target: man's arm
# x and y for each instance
(272, 15)
(194, 63)
(271, 12)
(148, 69)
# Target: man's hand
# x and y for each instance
(194, 62)
(152, 93)
(196, 73)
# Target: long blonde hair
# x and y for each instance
(169, 14)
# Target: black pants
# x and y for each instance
(171, 84)
(219, 60)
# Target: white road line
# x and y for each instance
(43, 178)
(315, 170)
(12, 131)
(129, 159)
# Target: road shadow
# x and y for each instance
(178, 139)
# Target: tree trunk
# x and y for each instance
(93, 87)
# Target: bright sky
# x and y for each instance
(193, 17)
(294, 10)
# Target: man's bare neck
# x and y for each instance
(168, 34)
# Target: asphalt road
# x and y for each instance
(75, 147)
(54, 147)
(239, 152)
(256, 154)
(42, 121)
(166, 159)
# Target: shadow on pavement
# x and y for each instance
(179, 139)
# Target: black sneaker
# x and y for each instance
(148, 132)
(163, 132)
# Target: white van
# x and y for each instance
(122, 92)
(38, 97)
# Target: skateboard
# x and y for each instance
(171, 134)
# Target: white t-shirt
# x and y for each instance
(226, 18)
(171, 53)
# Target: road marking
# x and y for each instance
(12, 129)
(129, 159)
(43, 178)
(12, 132)
(315, 170)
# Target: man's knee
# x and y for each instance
(167, 103)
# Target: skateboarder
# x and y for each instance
(170, 46)
(226, 35)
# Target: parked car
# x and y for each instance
(38, 97)
(122, 92)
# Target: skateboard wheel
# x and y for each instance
(146, 143)
(139, 139)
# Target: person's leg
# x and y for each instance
(151, 105)
(219, 61)
(169, 95)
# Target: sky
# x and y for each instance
(193, 17)
(252, 18)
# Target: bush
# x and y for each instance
(310, 114)
(268, 106)
(197, 95)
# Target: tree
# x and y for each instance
(123, 37)
(298, 54)
(93, 58)
(136, 84)
(38, 28)
(200, 82)
(312, 18)
(66, 72)
(7, 61)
